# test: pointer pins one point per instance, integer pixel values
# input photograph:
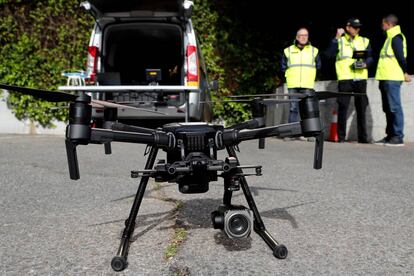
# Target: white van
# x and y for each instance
(147, 53)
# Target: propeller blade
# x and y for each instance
(96, 105)
(51, 96)
(227, 101)
(115, 105)
(58, 108)
(299, 95)
(330, 94)
(256, 95)
(280, 101)
(319, 94)
(250, 101)
(137, 102)
(235, 101)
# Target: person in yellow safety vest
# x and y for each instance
(300, 63)
(391, 72)
(352, 75)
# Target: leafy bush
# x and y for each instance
(39, 40)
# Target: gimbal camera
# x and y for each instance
(191, 157)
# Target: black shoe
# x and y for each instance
(383, 141)
(395, 142)
(364, 141)
(341, 141)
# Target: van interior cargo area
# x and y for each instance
(131, 48)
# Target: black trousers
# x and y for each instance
(361, 103)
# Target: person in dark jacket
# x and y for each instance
(352, 75)
(391, 72)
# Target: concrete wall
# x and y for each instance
(375, 116)
(10, 125)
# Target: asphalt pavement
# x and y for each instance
(355, 216)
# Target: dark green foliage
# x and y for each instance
(39, 40)
(241, 56)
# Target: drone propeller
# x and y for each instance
(137, 102)
(321, 95)
(50, 96)
(280, 101)
(256, 95)
(53, 96)
(263, 100)
(116, 105)
(255, 99)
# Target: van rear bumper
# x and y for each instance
(131, 88)
(169, 112)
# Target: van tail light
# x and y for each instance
(91, 63)
(192, 66)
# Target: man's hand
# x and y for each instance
(407, 77)
(339, 33)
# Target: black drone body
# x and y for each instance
(191, 157)
(193, 162)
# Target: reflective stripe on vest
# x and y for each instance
(344, 60)
(301, 71)
(388, 67)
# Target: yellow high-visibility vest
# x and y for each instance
(344, 60)
(301, 67)
(388, 67)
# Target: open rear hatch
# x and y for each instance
(131, 49)
(133, 43)
(134, 8)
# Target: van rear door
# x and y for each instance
(134, 9)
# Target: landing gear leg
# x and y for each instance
(279, 250)
(119, 262)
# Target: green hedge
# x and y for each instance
(40, 39)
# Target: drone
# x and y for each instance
(191, 155)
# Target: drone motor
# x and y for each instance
(78, 130)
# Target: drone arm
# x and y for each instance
(111, 124)
(160, 139)
(233, 137)
(250, 124)
(129, 128)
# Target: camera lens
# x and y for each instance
(238, 224)
(235, 220)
